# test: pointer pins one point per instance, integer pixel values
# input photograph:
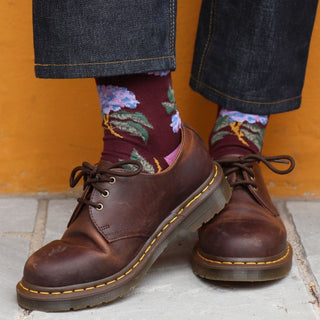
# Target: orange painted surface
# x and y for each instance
(47, 127)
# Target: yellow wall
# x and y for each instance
(49, 126)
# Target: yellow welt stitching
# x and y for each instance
(205, 189)
(143, 255)
(180, 211)
(172, 220)
(23, 287)
(130, 270)
(34, 291)
(245, 263)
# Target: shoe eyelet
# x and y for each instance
(253, 178)
(112, 180)
(255, 188)
(99, 207)
(105, 194)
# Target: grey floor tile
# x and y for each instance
(13, 252)
(171, 291)
(59, 213)
(17, 214)
(306, 215)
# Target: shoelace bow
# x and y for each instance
(245, 163)
(93, 176)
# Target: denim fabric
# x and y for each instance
(81, 38)
(250, 55)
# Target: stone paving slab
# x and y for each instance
(17, 214)
(13, 252)
(306, 215)
(59, 213)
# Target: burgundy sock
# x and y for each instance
(140, 119)
(237, 133)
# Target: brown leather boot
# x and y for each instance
(247, 241)
(123, 221)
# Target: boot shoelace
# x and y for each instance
(245, 163)
(93, 176)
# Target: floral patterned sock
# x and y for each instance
(140, 119)
(237, 133)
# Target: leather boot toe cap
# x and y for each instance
(245, 238)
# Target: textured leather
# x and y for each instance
(249, 226)
(99, 243)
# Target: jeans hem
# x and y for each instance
(241, 105)
(104, 69)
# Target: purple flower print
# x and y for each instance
(114, 98)
(241, 117)
(159, 73)
(175, 122)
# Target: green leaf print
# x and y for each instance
(136, 117)
(170, 107)
(171, 95)
(218, 136)
(147, 167)
(135, 129)
(255, 138)
(254, 128)
(221, 122)
(253, 133)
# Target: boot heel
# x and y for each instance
(212, 205)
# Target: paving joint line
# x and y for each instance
(301, 256)
(23, 235)
(39, 225)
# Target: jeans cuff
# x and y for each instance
(242, 105)
(104, 69)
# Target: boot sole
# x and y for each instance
(242, 270)
(209, 199)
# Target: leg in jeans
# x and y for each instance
(250, 59)
(125, 217)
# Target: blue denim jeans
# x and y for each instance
(249, 55)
